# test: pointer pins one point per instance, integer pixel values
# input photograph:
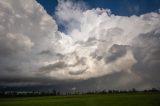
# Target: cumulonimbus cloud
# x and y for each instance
(97, 43)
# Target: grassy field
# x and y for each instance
(149, 99)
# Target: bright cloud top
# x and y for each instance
(97, 43)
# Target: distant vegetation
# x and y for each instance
(11, 93)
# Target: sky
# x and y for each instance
(118, 7)
(82, 45)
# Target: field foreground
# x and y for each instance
(148, 99)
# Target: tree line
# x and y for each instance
(57, 93)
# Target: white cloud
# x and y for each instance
(97, 42)
(25, 30)
(95, 33)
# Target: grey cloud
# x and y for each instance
(79, 61)
(91, 41)
(147, 53)
(78, 72)
(94, 55)
(115, 31)
(12, 69)
(62, 65)
(28, 80)
(53, 67)
(24, 30)
(115, 52)
(12, 44)
(45, 52)
(50, 54)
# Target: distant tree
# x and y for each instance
(154, 90)
(103, 92)
(58, 93)
(110, 91)
(133, 90)
(54, 92)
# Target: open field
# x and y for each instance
(148, 99)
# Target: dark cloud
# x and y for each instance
(62, 65)
(45, 52)
(53, 67)
(147, 53)
(13, 69)
(78, 72)
(115, 52)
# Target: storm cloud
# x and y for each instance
(98, 47)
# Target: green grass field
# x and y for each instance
(149, 99)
